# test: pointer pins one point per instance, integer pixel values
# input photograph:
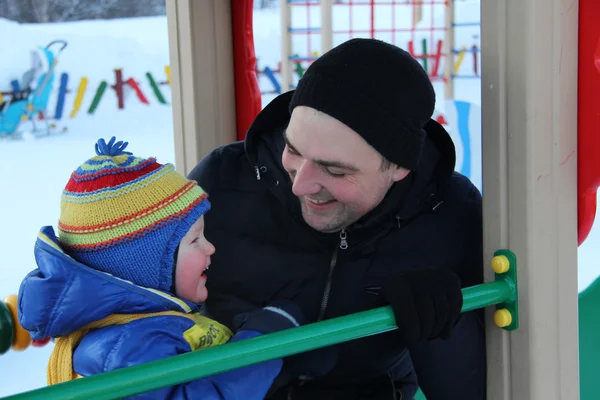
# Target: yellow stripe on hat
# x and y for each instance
(106, 160)
(110, 206)
(111, 234)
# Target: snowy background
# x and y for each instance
(33, 172)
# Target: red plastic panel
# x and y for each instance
(588, 110)
(247, 92)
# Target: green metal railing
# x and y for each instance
(190, 366)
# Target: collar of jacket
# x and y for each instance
(422, 190)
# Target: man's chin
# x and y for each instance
(320, 224)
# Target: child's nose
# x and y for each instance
(210, 248)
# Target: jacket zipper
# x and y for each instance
(343, 245)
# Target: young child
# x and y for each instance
(120, 283)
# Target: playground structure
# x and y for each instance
(139, 379)
(410, 24)
(427, 29)
(535, 172)
(36, 105)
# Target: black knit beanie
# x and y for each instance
(378, 90)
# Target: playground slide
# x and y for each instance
(589, 341)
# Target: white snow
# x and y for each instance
(33, 172)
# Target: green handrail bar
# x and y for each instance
(194, 365)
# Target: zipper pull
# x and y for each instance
(343, 241)
(257, 172)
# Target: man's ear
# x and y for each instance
(399, 173)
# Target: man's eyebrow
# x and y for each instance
(323, 163)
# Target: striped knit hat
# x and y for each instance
(126, 215)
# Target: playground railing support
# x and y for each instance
(502, 293)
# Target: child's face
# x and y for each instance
(192, 260)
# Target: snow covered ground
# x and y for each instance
(33, 172)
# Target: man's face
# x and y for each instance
(336, 174)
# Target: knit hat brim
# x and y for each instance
(168, 261)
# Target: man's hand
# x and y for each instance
(426, 303)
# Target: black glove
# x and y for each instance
(426, 303)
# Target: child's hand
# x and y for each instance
(285, 314)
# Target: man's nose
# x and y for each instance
(306, 181)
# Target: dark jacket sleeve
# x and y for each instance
(456, 368)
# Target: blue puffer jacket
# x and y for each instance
(63, 295)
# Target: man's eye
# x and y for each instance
(335, 174)
(292, 151)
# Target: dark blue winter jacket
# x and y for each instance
(63, 295)
(431, 219)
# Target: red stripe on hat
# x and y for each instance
(109, 177)
(129, 218)
(133, 235)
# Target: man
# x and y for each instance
(344, 196)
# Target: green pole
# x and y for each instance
(299, 70)
(7, 328)
(425, 55)
(155, 88)
(190, 366)
(97, 97)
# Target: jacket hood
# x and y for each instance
(63, 295)
(421, 191)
